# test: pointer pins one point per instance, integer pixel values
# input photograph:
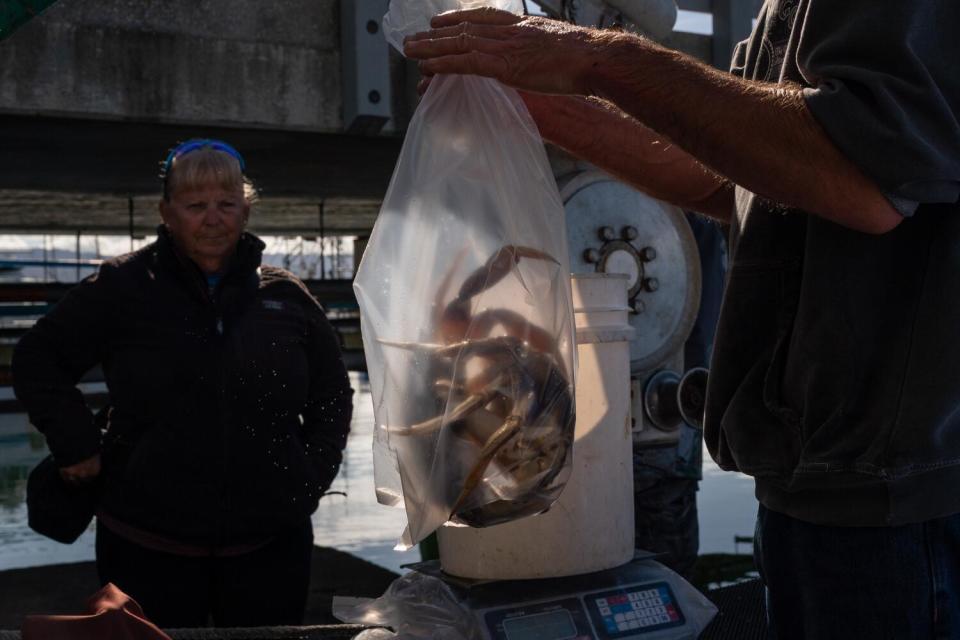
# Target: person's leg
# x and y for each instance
(172, 590)
(665, 520)
(267, 587)
(665, 509)
(846, 582)
(945, 557)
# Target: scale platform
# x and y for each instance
(641, 600)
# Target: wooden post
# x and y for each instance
(130, 218)
(322, 240)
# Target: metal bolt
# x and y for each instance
(592, 256)
(607, 234)
(629, 233)
(638, 306)
(648, 254)
(651, 284)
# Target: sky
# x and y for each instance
(694, 22)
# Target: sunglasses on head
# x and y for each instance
(189, 146)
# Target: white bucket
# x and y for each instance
(590, 527)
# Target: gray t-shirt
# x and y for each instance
(836, 369)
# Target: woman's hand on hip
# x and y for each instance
(82, 472)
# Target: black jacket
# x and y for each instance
(229, 412)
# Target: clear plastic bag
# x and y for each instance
(465, 310)
(416, 607)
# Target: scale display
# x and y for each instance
(551, 625)
(612, 614)
(563, 619)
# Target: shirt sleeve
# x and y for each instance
(885, 88)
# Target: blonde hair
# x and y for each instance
(207, 166)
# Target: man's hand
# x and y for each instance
(531, 53)
(82, 472)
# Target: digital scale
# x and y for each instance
(640, 599)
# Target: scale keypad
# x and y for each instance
(632, 611)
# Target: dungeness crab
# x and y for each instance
(504, 394)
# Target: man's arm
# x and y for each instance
(760, 136)
(602, 134)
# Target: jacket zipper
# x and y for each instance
(219, 339)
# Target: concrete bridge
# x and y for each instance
(93, 93)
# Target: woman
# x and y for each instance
(229, 407)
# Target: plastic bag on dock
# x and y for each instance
(465, 306)
(416, 607)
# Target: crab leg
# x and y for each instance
(510, 427)
(458, 413)
(438, 307)
(497, 267)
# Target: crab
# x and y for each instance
(506, 396)
(518, 414)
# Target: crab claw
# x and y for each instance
(497, 267)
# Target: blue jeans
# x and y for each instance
(859, 582)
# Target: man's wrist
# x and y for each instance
(614, 57)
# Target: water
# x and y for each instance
(356, 523)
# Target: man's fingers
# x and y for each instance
(492, 32)
(473, 63)
(461, 44)
(483, 15)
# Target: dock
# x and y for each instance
(62, 589)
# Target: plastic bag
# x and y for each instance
(466, 313)
(415, 606)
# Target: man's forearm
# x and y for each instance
(605, 136)
(760, 136)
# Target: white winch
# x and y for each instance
(613, 228)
